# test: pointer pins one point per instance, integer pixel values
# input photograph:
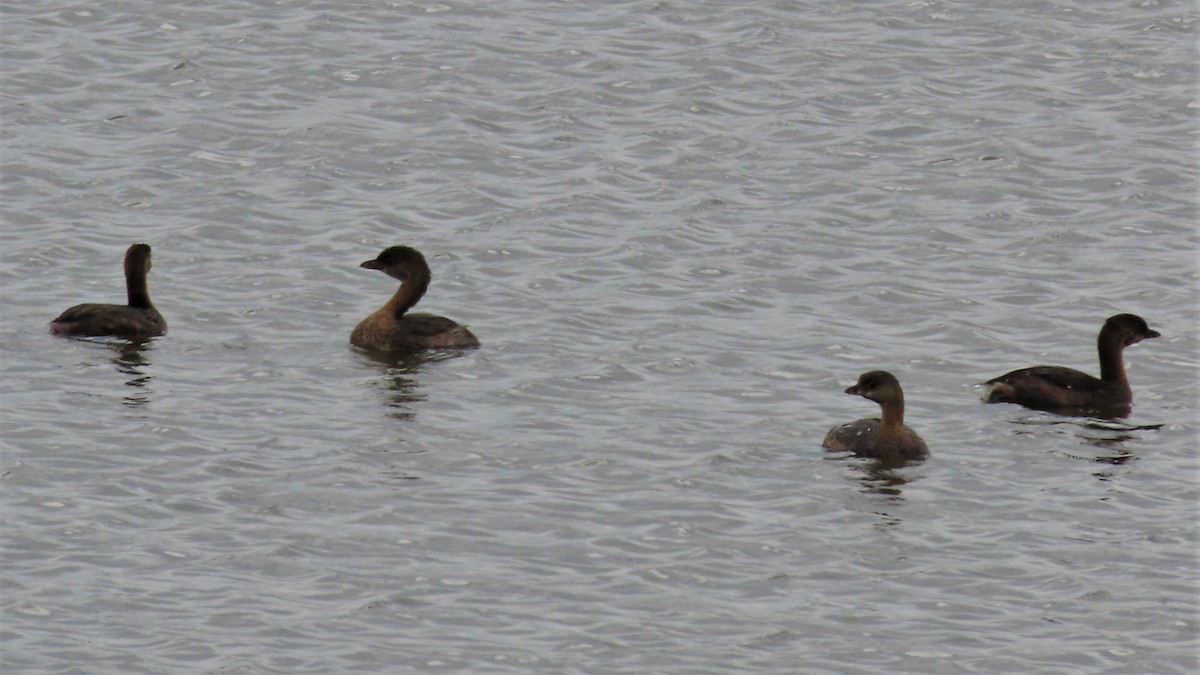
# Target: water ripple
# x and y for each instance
(680, 231)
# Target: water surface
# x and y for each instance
(680, 231)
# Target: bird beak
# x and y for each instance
(1152, 333)
(370, 265)
(852, 390)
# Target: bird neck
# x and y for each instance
(893, 414)
(135, 287)
(408, 295)
(1112, 360)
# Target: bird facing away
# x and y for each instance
(391, 328)
(136, 320)
(885, 438)
(1061, 389)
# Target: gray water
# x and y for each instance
(680, 229)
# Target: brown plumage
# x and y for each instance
(885, 438)
(1060, 389)
(391, 328)
(136, 320)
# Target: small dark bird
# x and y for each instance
(885, 438)
(136, 320)
(391, 328)
(1060, 389)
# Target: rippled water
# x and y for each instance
(680, 230)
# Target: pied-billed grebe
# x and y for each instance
(137, 320)
(390, 328)
(1060, 389)
(885, 439)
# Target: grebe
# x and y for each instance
(885, 438)
(136, 320)
(1060, 389)
(391, 328)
